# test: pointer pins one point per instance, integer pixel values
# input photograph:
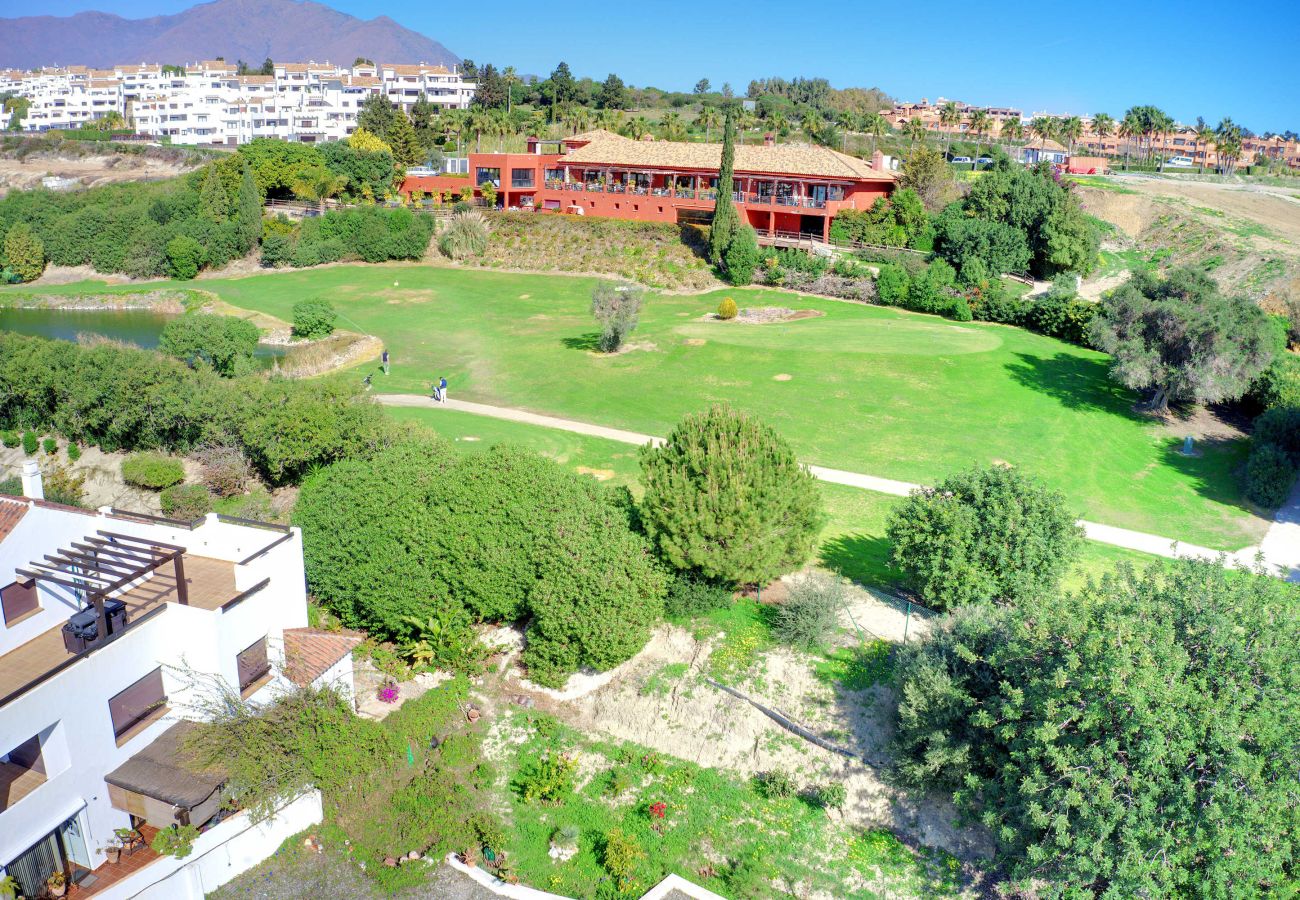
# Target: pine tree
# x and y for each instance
(726, 221)
(378, 114)
(250, 209)
(404, 143)
(423, 115)
(726, 498)
(214, 202)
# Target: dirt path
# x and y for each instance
(1282, 553)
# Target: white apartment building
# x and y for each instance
(211, 104)
(113, 625)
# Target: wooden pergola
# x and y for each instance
(104, 563)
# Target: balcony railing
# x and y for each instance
(573, 186)
(595, 188)
(553, 184)
(521, 183)
(616, 188)
(685, 195)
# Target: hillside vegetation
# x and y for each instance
(653, 253)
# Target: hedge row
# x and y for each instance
(126, 399)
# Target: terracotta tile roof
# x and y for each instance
(309, 652)
(11, 513)
(783, 159)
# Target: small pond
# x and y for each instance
(134, 326)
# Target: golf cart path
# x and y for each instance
(1280, 546)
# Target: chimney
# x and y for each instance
(769, 140)
(878, 161)
(32, 487)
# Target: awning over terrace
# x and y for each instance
(164, 784)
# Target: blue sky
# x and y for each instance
(1191, 58)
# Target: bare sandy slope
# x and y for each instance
(1274, 208)
(91, 171)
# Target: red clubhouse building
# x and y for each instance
(779, 188)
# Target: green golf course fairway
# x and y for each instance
(867, 389)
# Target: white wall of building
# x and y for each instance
(210, 104)
(70, 708)
(220, 854)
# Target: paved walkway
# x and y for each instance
(1280, 547)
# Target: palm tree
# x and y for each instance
(1129, 128)
(672, 126)
(1045, 128)
(319, 184)
(1205, 135)
(1071, 129)
(949, 116)
(979, 125)
(709, 118)
(745, 121)
(915, 131)
(455, 122)
(1012, 130)
(636, 128)
(778, 124)
(812, 124)
(511, 78)
(577, 117)
(477, 123)
(874, 124)
(1227, 137)
(1102, 126)
(847, 121)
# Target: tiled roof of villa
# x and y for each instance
(782, 159)
(310, 652)
(11, 513)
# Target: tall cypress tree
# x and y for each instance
(214, 202)
(726, 221)
(402, 139)
(250, 209)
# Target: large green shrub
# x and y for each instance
(417, 530)
(226, 343)
(152, 470)
(185, 501)
(726, 498)
(892, 285)
(1279, 385)
(597, 595)
(24, 252)
(1270, 473)
(689, 595)
(983, 534)
(1281, 428)
(184, 256)
(1137, 739)
(313, 319)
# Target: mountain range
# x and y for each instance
(251, 30)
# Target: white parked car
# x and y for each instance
(1185, 162)
(961, 159)
(985, 160)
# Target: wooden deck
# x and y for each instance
(210, 582)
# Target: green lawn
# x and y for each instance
(863, 388)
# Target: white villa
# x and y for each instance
(107, 618)
(210, 104)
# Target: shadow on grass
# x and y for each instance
(1213, 470)
(860, 557)
(1074, 382)
(589, 341)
